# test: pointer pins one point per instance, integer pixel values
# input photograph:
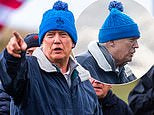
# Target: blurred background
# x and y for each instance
(25, 16)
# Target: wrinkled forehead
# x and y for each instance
(56, 31)
(127, 39)
(133, 38)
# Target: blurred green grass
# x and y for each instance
(123, 90)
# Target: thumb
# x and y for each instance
(20, 41)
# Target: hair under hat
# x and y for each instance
(117, 25)
(58, 18)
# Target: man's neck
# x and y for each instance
(62, 64)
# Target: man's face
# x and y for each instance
(124, 50)
(29, 51)
(57, 45)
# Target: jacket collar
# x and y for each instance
(99, 56)
(83, 73)
(47, 66)
(44, 63)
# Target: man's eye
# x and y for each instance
(132, 41)
(64, 34)
(50, 36)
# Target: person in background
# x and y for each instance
(50, 81)
(32, 43)
(107, 58)
(141, 98)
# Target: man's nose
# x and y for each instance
(57, 38)
(135, 45)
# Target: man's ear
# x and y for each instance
(73, 45)
(111, 43)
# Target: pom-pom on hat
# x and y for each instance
(117, 25)
(58, 18)
(32, 40)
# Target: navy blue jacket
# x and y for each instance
(4, 103)
(141, 98)
(111, 104)
(4, 99)
(102, 66)
(36, 91)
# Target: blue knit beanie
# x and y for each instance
(117, 25)
(58, 18)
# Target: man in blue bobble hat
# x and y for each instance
(107, 59)
(117, 43)
(49, 82)
(62, 20)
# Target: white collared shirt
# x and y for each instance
(67, 77)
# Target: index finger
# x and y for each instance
(17, 35)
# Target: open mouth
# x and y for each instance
(57, 50)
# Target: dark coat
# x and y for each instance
(38, 92)
(102, 67)
(141, 98)
(4, 98)
(4, 103)
(113, 105)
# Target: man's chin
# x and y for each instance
(58, 56)
(128, 61)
